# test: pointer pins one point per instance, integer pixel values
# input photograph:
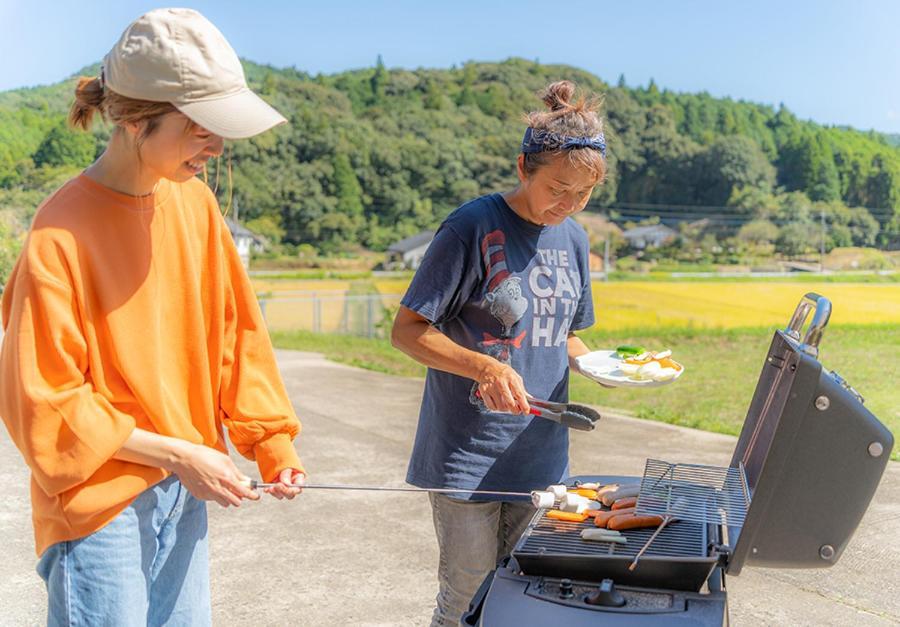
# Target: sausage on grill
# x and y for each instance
(631, 501)
(620, 493)
(601, 519)
(631, 521)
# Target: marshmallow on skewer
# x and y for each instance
(542, 500)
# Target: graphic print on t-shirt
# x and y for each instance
(504, 291)
(504, 300)
(555, 287)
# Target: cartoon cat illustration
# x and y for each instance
(504, 292)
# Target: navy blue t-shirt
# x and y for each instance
(498, 284)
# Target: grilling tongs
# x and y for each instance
(571, 415)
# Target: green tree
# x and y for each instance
(347, 188)
(466, 94)
(730, 163)
(65, 147)
(378, 81)
(758, 232)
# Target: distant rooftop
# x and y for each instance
(641, 231)
(411, 243)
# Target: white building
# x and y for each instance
(244, 239)
(652, 236)
(407, 253)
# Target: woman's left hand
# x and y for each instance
(287, 481)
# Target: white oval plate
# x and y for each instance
(603, 366)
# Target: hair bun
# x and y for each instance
(558, 94)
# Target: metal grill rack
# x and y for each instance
(550, 536)
(694, 492)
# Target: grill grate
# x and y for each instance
(553, 537)
(693, 492)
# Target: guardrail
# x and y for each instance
(327, 311)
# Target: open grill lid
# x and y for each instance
(812, 453)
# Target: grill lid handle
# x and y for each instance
(810, 342)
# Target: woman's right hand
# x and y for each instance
(211, 475)
(502, 389)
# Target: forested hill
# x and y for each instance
(372, 155)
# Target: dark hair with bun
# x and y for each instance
(566, 118)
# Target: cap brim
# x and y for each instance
(236, 116)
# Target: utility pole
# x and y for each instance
(606, 259)
(822, 243)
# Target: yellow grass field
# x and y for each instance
(731, 304)
(724, 304)
(618, 305)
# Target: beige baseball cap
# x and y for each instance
(178, 56)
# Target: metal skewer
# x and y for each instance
(647, 544)
(253, 484)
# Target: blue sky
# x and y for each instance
(836, 62)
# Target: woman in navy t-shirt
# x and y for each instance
(492, 312)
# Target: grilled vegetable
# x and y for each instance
(590, 494)
(555, 514)
(626, 351)
(603, 535)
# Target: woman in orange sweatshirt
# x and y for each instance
(134, 339)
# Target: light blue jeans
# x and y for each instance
(472, 537)
(149, 566)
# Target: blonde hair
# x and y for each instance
(567, 119)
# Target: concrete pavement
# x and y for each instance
(369, 559)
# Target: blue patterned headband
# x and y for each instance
(536, 140)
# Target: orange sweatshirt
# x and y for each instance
(121, 313)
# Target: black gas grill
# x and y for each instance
(679, 558)
(806, 438)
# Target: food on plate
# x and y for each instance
(603, 535)
(601, 519)
(626, 351)
(622, 492)
(555, 514)
(633, 521)
(647, 371)
(542, 499)
(650, 366)
(625, 503)
(665, 374)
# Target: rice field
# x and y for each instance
(729, 305)
(648, 304)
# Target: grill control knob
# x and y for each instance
(565, 589)
(606, 595)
